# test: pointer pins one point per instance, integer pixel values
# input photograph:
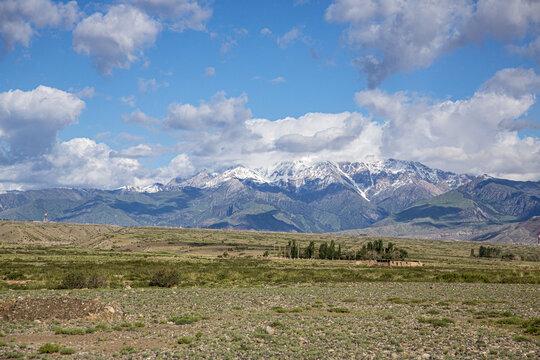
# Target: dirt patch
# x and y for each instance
(60, 308)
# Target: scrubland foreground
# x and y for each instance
(74, 291)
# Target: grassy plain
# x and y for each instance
(231, 302)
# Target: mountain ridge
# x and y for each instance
(296, 174)
(298, 196)
(482, 209)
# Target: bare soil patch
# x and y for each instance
(59, 308)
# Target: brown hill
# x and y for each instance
(38, 233)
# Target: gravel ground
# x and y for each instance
(61, 308)
(327, 321)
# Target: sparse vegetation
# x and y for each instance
(128, 350)
(532, 326)
(184, 319)
(255, 306)
(436, 322)
(339, 310)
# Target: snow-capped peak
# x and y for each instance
(239, 173)
(367, 179)
(197, 181)
(153, 188)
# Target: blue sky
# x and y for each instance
(129, 92)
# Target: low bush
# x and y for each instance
(184, 319)
(165, 278)
(339, 310)
(185, 340)
(83, 279)
(514, 320)
(277, 324)
(49, 348)
(63, 331)
(532, 326)
(282, 310)
(67, 351)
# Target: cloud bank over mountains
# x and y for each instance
(474, 135)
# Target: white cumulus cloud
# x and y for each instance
(401, 35)
(20, 19)
(471, 135)
(137, 117)
(115, 39)
(478, 134)
(219, 112)
(474, 135)
(180, 14)
(30, 120)
(82, 162)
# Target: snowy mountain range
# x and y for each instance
(289, 196)
(368, 179)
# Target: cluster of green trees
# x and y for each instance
(371, 251)
(376, 251)
(325, 251)
(488, 252)
(496, 253)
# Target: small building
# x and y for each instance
(402, 263)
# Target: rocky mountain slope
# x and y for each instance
(291, 196)
(483, 209)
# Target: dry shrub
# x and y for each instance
(165, 278)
